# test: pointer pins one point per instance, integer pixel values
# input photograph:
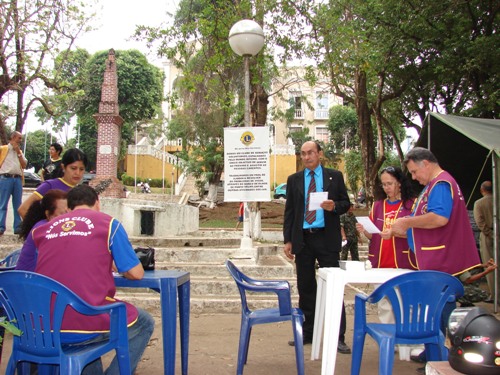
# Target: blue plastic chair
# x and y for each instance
(27, 298)
(417, 299)
(9, 262)
(250, 318)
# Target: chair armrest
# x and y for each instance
(280, 287)
(360, 309)
(117, 314)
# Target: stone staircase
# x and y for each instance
(203, 255)
(212, 288)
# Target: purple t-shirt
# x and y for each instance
(29, 252)
(56, 183)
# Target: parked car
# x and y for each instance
(280, 191)
(31, 179)
(87, 177)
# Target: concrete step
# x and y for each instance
(214, 304)
(205, 288)
(198, 241)
(278, 269)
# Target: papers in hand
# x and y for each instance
(367, 224)
(316, 198)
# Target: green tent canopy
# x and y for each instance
(469, 149)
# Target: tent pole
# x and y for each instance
(478, 178)
(495, 227)
(429, 132)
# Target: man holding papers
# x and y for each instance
(316, 197)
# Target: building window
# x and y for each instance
(296, 103)
(322, 134)
(295, 128)
(321, 105)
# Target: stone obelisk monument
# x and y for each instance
(109, 123)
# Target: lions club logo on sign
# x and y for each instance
(247, 138)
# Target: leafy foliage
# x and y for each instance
(140, 93)
(9, 327)
(37, 147)
(33, 33)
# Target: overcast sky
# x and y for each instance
(117, 20)
(114, 24)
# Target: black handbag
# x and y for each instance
(147, 257)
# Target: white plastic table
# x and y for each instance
(329, 297)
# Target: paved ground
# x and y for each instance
(214, 345)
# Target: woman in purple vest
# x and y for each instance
(52, 205)
(73, 163)
(395, 200)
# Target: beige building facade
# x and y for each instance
(290, 92)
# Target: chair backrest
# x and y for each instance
(10, 261)
(239, 277)
(418, 299)
(36, 303)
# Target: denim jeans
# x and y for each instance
(10, 186)
(138, 337)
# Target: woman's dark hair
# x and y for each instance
(406, 187)
(73, 154)
(36, 211)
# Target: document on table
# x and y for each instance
(367, 224)
(316, 199)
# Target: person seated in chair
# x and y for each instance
(80, 250)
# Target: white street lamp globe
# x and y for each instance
(246, 38)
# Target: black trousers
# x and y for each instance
(315, 248)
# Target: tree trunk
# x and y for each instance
(365, 132)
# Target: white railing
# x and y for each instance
(321, 114)
(282, 150)
(156, 153)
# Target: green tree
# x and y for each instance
(33, 33)
(69, 66)
(140, 94)
(211, 88)
(343, 127)
(37, 147)
(423, 56)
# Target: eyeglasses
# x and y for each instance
(387, 184)
(388, 169)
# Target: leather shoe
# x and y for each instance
(419, 358)
(343, 348)
(305, 340)
(416, 358)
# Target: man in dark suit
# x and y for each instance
(314, 235)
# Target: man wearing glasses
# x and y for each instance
(12, 164)
(312, 232)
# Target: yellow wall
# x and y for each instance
(149, 167)
(284, 167)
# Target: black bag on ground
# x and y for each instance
(147, 257)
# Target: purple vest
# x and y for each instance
(73, 249)
(403, 256)
(450, 248)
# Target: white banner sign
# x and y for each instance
(246, 164)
